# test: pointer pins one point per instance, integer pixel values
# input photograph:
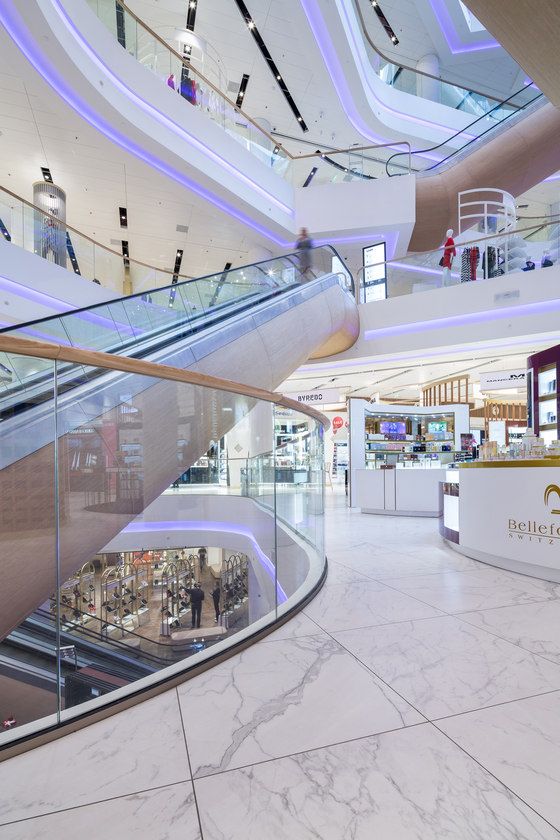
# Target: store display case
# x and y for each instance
(407, 440)
(544, 394)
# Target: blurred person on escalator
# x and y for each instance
(304, 246)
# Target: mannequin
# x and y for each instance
(447, 259)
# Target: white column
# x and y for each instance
(426, 87)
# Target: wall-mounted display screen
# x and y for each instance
(375, 277)
(392, 427)
(437, 426)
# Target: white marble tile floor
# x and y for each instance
(417, 697)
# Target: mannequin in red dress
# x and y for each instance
(448, 254)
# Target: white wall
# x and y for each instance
(363, 207)
(518, 304)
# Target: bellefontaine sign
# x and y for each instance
(512, 512)
(502, 379)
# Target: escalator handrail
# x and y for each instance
(117, 643)
(466, 128)
(13, 328)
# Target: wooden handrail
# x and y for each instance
(88, 238)
(96, 358)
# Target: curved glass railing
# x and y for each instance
(478, 258)
(102, 574)
(435, 88)
(132, 325)
(448, 151)
(183, 76)
(21, 225)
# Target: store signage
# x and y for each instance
(503, 379)
(337, 423)
(325, 397)
(512, 512)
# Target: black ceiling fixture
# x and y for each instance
(176, 270)
(310, 177)
(192, 6)
(126, 255)
(5, 232)
(269, 60)
(46, 172)
(123, 217)
(177, 266)
(384, 22)
(121, 30)
(191, 14)
(242, 89)
(72, 254)
(220, 284)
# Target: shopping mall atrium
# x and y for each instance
(279, 309)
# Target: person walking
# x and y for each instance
(216, 595)
(197, 597)
(304, 244)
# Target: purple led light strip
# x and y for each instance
(220, 527)
(14, 27)
(484, 316)
(429, 123)
(451, 35)
(447, 351)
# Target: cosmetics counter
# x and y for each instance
(399, 455)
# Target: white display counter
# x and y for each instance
(507, 514)
(399, 492)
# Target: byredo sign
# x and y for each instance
(512, 513)
(503, 379)
(324, 397)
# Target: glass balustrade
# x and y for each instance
(22, 224)
(186, 78)
(183, 78)
(146, 322)
(530, 247)
(100, 570)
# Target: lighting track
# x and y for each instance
(247, 17)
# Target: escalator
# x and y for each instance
(123, 438)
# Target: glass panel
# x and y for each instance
(121, 600)
(29, 683)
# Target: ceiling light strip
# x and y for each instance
(384, 22)
(242, 89)
(270, 62)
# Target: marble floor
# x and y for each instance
(417, 697)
